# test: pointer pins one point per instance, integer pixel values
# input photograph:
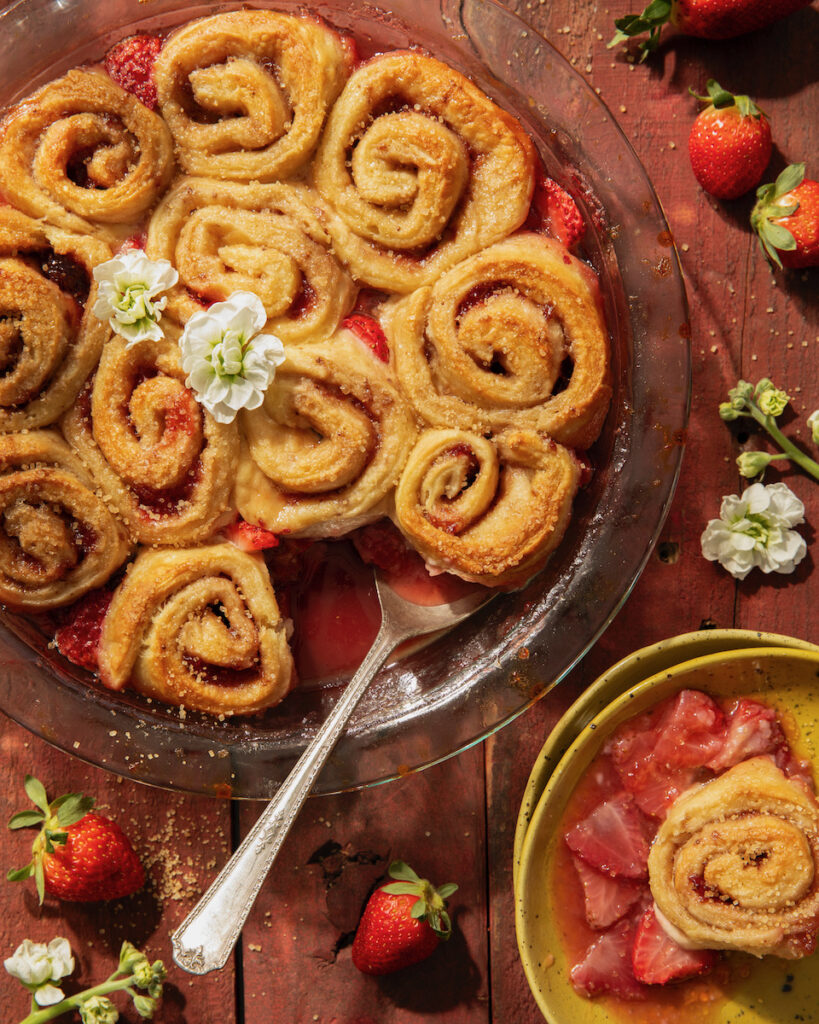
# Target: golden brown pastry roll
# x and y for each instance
(735, 865)
(58, 539)
(323, 453)
(510, 337)
(157, 456)
(245, 94)
(49, 338)
(85, 155)
(421, 170)
(198, 627)
(225, 237)
(490, 510)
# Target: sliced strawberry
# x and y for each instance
(659, 787)
(248, 537)
(78, 638)
(607, 899)
(751, 730)
(131, 65)
(658, 959)
(690, 730)
(368, 330)
(382, 544)
(555, 212)
(797, 770)
(612, 838)
(607, 966)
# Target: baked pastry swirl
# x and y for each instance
(325, 450)
(49, 343)
(224, 237)
(245, 94)
(735, 865)
(485, 347)
(86, 156)
(421, 169)
(490, 510)
(198, 627)
(58, 540)
(156, 455)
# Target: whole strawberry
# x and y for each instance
(77, 856)
(786, 218)
(729, 144)
(402, 923)
(707, 19)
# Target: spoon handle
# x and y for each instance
(205, 939)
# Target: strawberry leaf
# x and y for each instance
(446, 890)
(419, 909)
(401, 889)
(778, 236)
(23, 819)
(403, 872)
(792, 176)
(74, 807)
(35, 791)
(19, 874)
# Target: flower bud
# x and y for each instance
(751, 464)
(728, 412)
(772, 401)
(98, 1010)
(813, 423)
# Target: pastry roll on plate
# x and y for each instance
(199, 627)
(735, 865)
(490, 510)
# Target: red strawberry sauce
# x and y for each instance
(698, 999)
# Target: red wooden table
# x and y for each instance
(456, 821)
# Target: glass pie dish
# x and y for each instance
(459, 688)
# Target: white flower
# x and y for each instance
(753, 531)
(813, 423)
(128, 286)
(228, 363)
(36, 965)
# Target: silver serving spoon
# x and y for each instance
(205, 939)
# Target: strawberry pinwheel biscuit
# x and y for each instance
(224, 237)
(49, 337)
(58, 539)
(485, 347)
(490, 510)
(199, 627)
(85, 155)
(158, 457)
(245, 94)
(735, 865)
(421, 169)
(325, 450)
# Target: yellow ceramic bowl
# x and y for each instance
(628, 672)
(774, 991)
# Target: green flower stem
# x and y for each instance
(74, 1002)
(788, 447)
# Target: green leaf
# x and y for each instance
(24, 819)
(446, 890)
(75, 806)
(39, 879)
(61, 838)
(401, 888)
(419, 909)
(35, 791)
(777, 235)
(19, 874)
(398, 869)
(792, 176)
